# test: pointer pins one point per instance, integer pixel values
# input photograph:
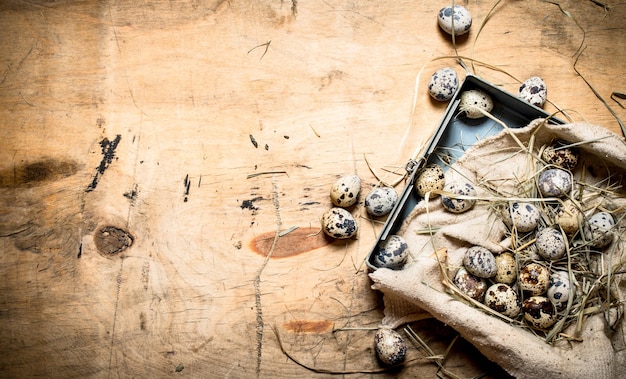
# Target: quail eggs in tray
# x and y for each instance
(455, 134)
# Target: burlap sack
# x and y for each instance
(416, 291)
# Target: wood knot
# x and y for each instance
(111, 240)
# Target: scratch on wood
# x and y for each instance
(257, 280)
(267, 46)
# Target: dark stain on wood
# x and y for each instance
(108, 153)
(294, 243)
(110, 240)
(37, 173)
(249, 204)
(308, 326)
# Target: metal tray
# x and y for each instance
(453, 136)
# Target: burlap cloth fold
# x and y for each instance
(417, 292)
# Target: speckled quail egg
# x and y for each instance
(569, 217)
(480, 262)
(469, 284)
(390, 346)
(559, 289)
(345, 191)
(506, 271)
(523, 216)
(555, 182)
(559, 154)
(598, 229)
(460, 17)
(473, 100)
(443, 84)
(380, 201)
(534, 279)
(503, 299)
(550, 243)
(534, 91)
(339, 223)
(456, 205)
(392, 253)
(539, 312)
(430, 178)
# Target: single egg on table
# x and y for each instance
(430, 178)
(458, 205)
(390, 346)
(339, 223)
(380, 201)
(534, 91)
(345, 191)
(443, 84)
(457, 20)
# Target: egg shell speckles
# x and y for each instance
(506, 268)
(534, 91)
(458, 205)
(471, 285)
(534, 279)
(380, 201)
(474, 99)
(503, 299)
(392, 253)
(555, 182)
(461, 16)
(390, 346)
(339, 223)
(430, 178)
(443, 84)
(598, 229)
(557, 154)
(523, 216)
(345, 191)
(539, 312)
(550, 243)
(559, 289)
(480, 262)
(568, 217)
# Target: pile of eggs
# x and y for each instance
(338, 222)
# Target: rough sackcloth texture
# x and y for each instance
(417, 292)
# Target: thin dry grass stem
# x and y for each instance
(438, 359)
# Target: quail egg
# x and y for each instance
(430, 178)
(551, 245)
(506, 271)
(443, 84)
(503, 299)
(473, 101)
(539, 312)
(534, 279)
(469, 284)
(559, 289)
(569, 217)
(555, 182)
(523, 216)
(456, 205)
(480, 262)
(392, 253)
(380, 201)
(598, 229)
(459, 16)
(345, 191)
(559, 154)
(390, 346)
(339, 223)
(533, 91)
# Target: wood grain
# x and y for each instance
(182, 86)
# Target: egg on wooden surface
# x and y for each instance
(443, 84)
(555, 182)
(469, 284)
(380, 201)
(480, 262)
(392, 253)
(539, 312)
(345, 191)
(455, 21)
(430, 178)
(506, 268)
(558, 153)
(339, 223)
(457, 205)
(503, 299)
(473, 101)
(390, 346)
(550, 243)
(523, 216)
(534, 91)
(559, 289)
(599, 229)
(534, 279)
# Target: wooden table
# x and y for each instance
(150, 153)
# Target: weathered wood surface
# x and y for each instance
(138, 116)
